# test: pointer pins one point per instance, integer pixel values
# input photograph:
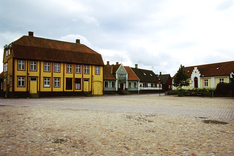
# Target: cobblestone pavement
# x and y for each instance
(105, 103)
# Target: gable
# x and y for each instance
(121, 70)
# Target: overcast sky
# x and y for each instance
(157, 35)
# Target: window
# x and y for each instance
(77, 84)
(156, 85)
(113, 84)
(152, 85)
(6, 52)
(5, 67)
(206, 83)
(135, 85)
(145, 84)
(57, 67)
(86, 70)
(56, 82)
(68, 83)
(106, 84)
(69, 68)
(9, 52)
(46, 82)
(78, 69)
(21, 65)
(97, 70)
(33, 65)
(129, 84)
(21, 82)
(221, 80)
(46, 67)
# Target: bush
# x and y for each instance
(223, 88)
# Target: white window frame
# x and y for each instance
(97, 70)
(20, 81)
(129, 84)
(33, 65)
(46, 82)
(78, 69)
(206, 82)
(69, 68)
(113, 84)
(57, 82)
(57, 67)
(135, 84)
(221, 80)
(106, 82)
(86, 69)
(46, 67)
(21, 65)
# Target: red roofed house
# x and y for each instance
(209, 75)
(118, 78)
(36, 66)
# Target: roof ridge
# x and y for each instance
(208, 64)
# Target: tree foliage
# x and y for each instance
(181, 78)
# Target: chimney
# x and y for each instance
(136, 65)
(117, 63)
(30, 33)
(78, 41)
(108, 62)
(160, 73)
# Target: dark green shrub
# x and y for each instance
(223, 88)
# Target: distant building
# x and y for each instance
(166, 81)
(209, 75)
(36, 66)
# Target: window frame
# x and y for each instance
(129, 84)
(135, 84)
(77, 84)
(113, 82)
(59, 82)
(69, 68)
(45, 80)
(106, 82)
(206, 83)
(78, 69)
(22, 80)
(86, 69)
(34, 65)
(97, 70)
(221, 80)
(57, 67)
(47, 64)
(22, 64)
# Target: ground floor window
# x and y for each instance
(21, 81)
(56, 82)
(77, 84)
(221, 80)
(68, 83)
(135, 85)
(145, 84)
(46, 82)
(129, 84)
(106, 84)
(113, 84)
(206, 83)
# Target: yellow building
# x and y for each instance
(209, 75)
(36, 66)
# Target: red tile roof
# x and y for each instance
(215, 69)
(131, 74)
(35, 48)
(108, 73)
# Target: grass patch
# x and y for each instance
(214, 122)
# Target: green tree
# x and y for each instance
(180, 80)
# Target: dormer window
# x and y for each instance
(144, 73)
(151, 75)
(217, 68)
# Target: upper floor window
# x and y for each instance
(206, 83)
(21, 65)
(33, 65)
(46, 66)
(21, 82)
(5, 67)
(86, 69)
(57, 67)
(78, 69)
(221, 80)
(97, 70)
(69, 68)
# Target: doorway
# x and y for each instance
(86, 85)
(195, 82)
(33, 85)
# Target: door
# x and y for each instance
(33, 85)
(86, 85)
(195, 82)
(121, 86)
(97, 88)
